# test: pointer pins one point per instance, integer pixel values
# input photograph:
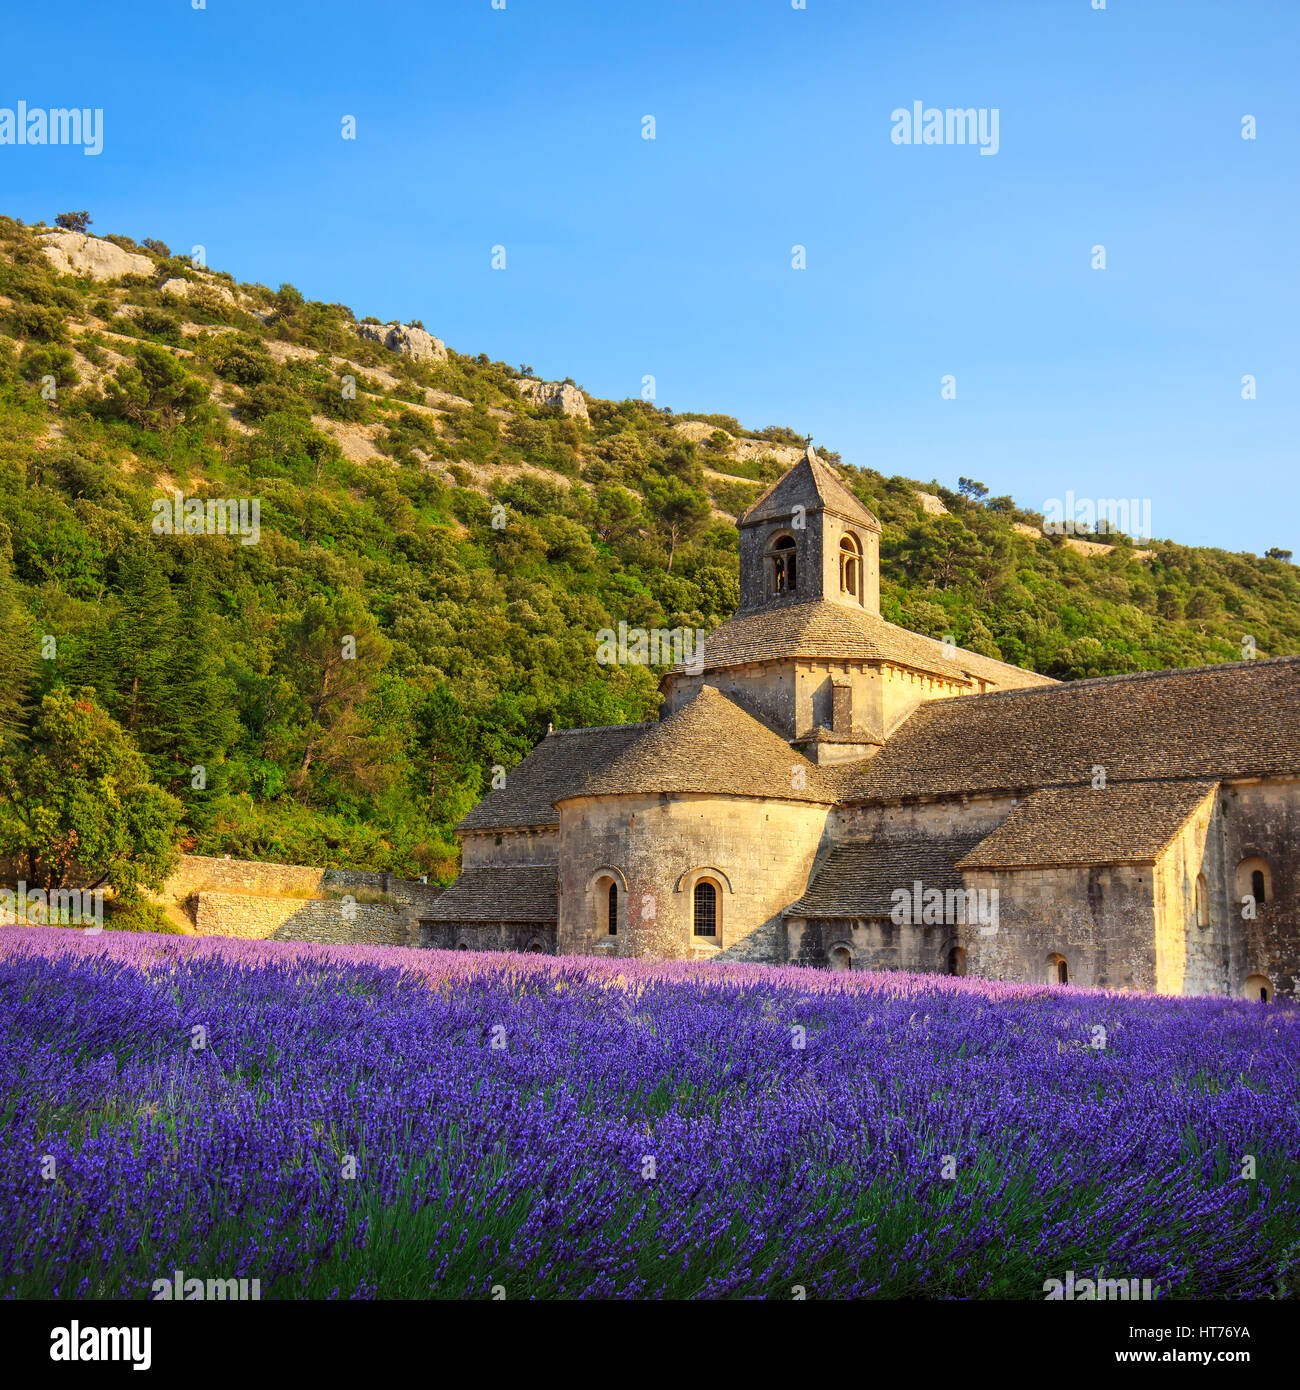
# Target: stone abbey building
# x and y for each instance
(825, 788)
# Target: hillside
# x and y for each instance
(379, 457)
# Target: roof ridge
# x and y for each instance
(1023, 793)
(597, 728)
(1119, 676)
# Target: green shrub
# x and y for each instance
(141, 916)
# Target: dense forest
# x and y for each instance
(436, 556)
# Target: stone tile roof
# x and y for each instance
(524, 894)
(1122, 823)
(809, 484)
(559, 763)
(858, 877)
(710, 745)
(1239, 719)
(818, 630)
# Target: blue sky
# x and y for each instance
(671, 257)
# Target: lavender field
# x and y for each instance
(368, 1122)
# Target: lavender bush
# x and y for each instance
(374, 1122)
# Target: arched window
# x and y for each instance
(604, 904)
(1254, 881)
(1202, 902)
(1258, 987)
(851, 567)
(841, 958)
(706, 909)
(781, 561)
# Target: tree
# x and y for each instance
(156, 392)
(73, 221)
(617, 513)
(682, 511)
(443, 748)
(333, 656)
(971, 490)
(81, 802)
(1169, 602)
(1276, 552)
(1203, 602)
(17, 656)
(158, 672)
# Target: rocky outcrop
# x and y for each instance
(553, 393)
(75, 253)
(414, 343)
(182, 289)
(930, 504)
(741, 450)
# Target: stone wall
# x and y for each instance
(931, 819)
(250, 916)
(482, 849)
(197, 873)
(759, 853)
(1262, 820)
(872, 944)
(487, 936)
(1100, 919)
(1194, 957)
(767, 689)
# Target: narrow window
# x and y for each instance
(706, 909)
(783, 570)
(1254, 881)
(850, 568)
(1202, 902)
(613, 909)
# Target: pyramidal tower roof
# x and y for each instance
(812, 485)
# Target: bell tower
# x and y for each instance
(809, 539)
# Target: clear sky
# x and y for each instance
(626, 257)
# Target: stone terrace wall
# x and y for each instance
(198, 873)
(255, 917)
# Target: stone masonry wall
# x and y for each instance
(759, 852)
(538, 937)
(197, 873)
(1100, 919)
(1262, 820)
(249, 916)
